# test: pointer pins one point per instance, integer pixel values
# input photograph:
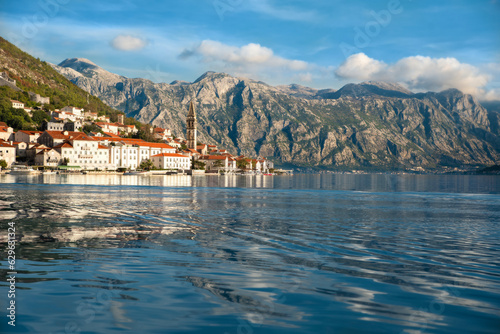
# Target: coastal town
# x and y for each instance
(62, 146)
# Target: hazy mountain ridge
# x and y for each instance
(371, 124)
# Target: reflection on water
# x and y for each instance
(355, 182)
(254, 254)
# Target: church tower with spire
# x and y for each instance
(191, 127)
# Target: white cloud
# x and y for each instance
(420, 73)
(248, 56)
(360, 66)
(128, 43)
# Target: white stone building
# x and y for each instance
(7, 153)
(85, 152)
(129, 153)
(17, 104)
(6, 133)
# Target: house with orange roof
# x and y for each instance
(32, 150)
(129, 153)
(108, 127)
(218, 162)
(27, 136)
(174, 142)
(192, 153)
(85, 152)
(6, 133)
(127, 128)
(202, 148)
(103, 118)
(7, 152)
(161, 133)
(91, 116)
(171, 161)
(73, 110)
(20, 148)
(116, 128)
(49, 157)
(53, 138)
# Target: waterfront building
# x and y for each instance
(85, 152)
(7, 153)
(171, 161)
(218, 162)
(129, 153)
(48, 157)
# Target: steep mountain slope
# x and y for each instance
(380, 125)
(34, 75)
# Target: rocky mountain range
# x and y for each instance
(368, 125)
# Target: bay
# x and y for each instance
(326, 253)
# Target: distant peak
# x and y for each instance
(179, 82)
(452, 91)
(392, 86)
(211, 74)
(72, 61)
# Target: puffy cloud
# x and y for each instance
(419, 73)
(361, 67)
(250, 55)
(128, 43)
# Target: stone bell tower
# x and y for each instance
(191, 127)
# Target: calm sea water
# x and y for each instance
(234, 254)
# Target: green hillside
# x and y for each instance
(33, 75)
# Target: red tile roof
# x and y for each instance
(111, 135)
(82, 136)
(64, 145)
(30, 132)
(61, 135)
(170, 155)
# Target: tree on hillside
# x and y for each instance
(88, 128)
(39, 116)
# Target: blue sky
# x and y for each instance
(425, 45)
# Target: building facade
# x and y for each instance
(171, 161)
(7, 153)
(47, 158)
(130, 153)
(85, 152)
